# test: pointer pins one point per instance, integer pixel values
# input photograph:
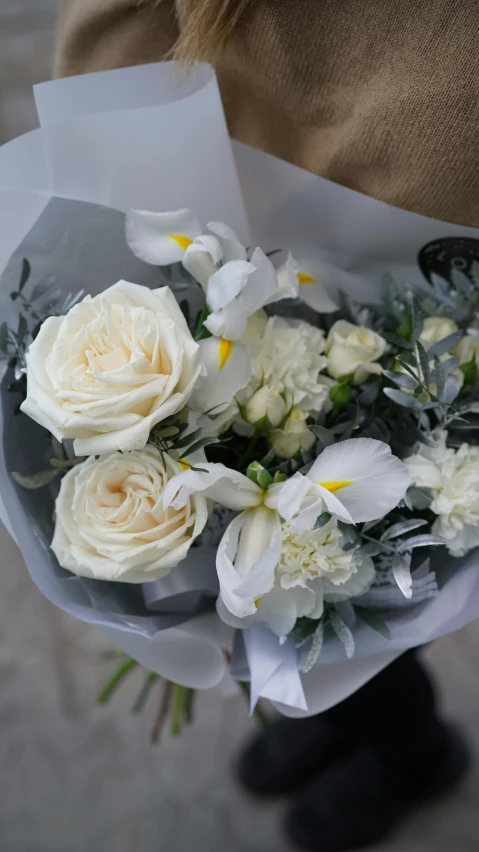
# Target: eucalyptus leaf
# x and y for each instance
(322, 520)
(400, 342)
(315, 650)
(342, 631)
(461, 282)
(198, 445)
(402, 528)
(403, 380)
(440, 378)
(373, 620)
(442, 347)
(324, 435)
(187, 439)
(402, 574)
(35, 480)
(424, 362)
(404, 399)
(419, 499)
(368, 550)
(427, 540)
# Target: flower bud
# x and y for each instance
(340, 395)
(294, 436)
(266, 402)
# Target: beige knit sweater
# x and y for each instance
(378, 95)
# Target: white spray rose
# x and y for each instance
(112, 368)
(110, 520)
(452, 477)
(294, 435)
(354, 349)
(287, 355)
(266, 402)
(467, 349)
(436, 329)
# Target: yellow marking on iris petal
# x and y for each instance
(182, 241)
(256, 602)
(334, 486)
(304, 278)
(184, 464)
(225, 351)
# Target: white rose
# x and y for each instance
(467, 349)
(266, 402)
(294, 435)
(354, 349)
(436, 329)
(112, 368)
(110, 521)
(452, 478)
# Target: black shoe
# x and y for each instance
(289, 753)
(357, 801)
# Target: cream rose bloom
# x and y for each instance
(452, 478)
(354, 349)
(112, 368)
(110, 521)
(467, 349)
(294, 435)
(436, 329)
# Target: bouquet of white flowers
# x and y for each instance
(232, 462)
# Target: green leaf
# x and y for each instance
(373, 620)
(424, 362)
(440, 378)
(322, 520)
(442, 347)
(26, 269)
(406, 400)
(397, 340)
(265, 479)
(167, 432)
(198, 445)
(187, 439)
(35, 480)
(417, 319)
(469, 371)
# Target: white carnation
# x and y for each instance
(452, 477)
(287, 355)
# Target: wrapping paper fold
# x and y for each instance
(151, 138)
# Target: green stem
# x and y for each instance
(179, 696)
(144, 692)
(247, 456)
(111, 685)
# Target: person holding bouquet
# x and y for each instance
(381, 98)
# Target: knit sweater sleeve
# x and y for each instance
(94, 35)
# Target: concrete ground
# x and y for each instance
(77, 777)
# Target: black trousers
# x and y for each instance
(395, 712)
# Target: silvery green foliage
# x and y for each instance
(43, 301)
